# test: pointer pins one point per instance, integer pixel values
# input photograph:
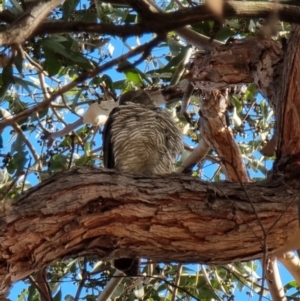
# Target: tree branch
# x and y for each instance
(171, 20)
(87, 211)
(9, 120)
(25, 25)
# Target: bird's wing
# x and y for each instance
(107, 146)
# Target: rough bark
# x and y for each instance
(217, 133)
(167, 218)
(173, 218)
(27, 23)
(252, 60)
(240, 62)
(288, 100)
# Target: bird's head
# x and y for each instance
(138, 97)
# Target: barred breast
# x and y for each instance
(142, 140)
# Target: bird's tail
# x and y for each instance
(129, 266)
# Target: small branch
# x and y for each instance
(39, 284)
(240, 277)
(84, 277)
(44, 104)
(177, 280)
(65, 131)
(6, 115)
(186, 99)
(196, 156)
(111, 286)
(292, 264)
(274, 281)
(209, 284)
(181, 67)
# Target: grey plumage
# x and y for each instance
(140, 139)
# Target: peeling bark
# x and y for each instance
(240, 62)
(289, 102)
(167, 218)
(216, 132)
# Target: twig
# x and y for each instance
(11, 185)
(274, 281)
(51, 136)
(45, 103)
(39, 284)
(177, 279)
(240, 277)
(111, 286)
(19, 131)
(84, 277)
(186, 99)
(181, 66)
(209, 283)
(196, 156)
(72, 150)
(26, 174)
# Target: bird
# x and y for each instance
(140, 138)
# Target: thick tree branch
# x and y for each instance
(25, 25)
(168, 218)
(171, 20)
(289, 102)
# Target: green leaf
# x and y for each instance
(251, 92)
(17, 6)
(52, 65)
(264, 109)
(87, 148)
(173, 63)
(290, 285)
(31, 292)
(23, 83)
(18, 145)
(38, 116)
(58, 295)
(236, 102)
(87, 17)
(133, 76)
(174, 46)
(75, 99)
(56, 47)
(7, 80)
(17, 163)
(19, 63)
(58, 162)
(129, 67)
(119, 84)
(224, 33)
(23, 295)
(85, 160)
(68, 8)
